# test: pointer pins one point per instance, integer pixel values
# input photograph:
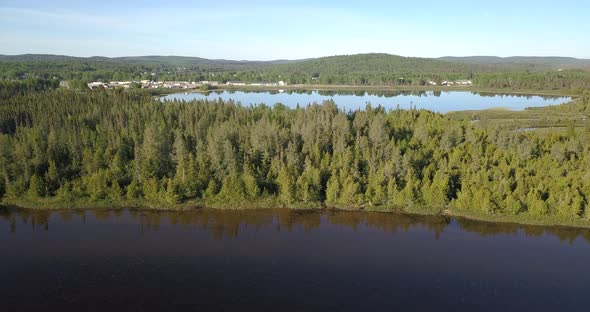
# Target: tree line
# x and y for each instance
(10, 88)
(357, 70)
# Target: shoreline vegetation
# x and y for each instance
(427, 163)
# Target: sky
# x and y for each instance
(267, 30)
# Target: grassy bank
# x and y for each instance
(524, 219)
(552, 119)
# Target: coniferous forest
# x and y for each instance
(373, 69)
(63, 148)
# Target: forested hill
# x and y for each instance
(361, 69)
(69, 66)
(148, 59)
(373, 63)
(386, 69)
(520, 61)
(341, 64)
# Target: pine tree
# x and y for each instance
(173, 195)
(36, 187)
(115, 192)
(351, 194)
(52, 178)
(250, 185)
(513, 205)
(211, 190)
(134, 190)
(309, 184)
(376, 193)
(333, 189)
(286, 185)
(436, 192)
(408, 196)
(535, 204)
(96, 185)
(151, 190)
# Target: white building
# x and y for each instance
(235, 83)
(464, 82)
(95, 85)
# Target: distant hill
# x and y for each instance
(358, 69)
(149, 60)
(38, 58)
(189, 60)
(100, 68)
(370, 69)
(541, 61)
(371, 62)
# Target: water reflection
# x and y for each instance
(384, 93)
(438, 101)
(221, 224)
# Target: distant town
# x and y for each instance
(149, 84)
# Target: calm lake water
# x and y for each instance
(285, 260)
(432, 100)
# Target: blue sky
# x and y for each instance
(264, 30)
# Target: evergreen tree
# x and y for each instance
(286, 184)
(52, 178)
(134, 190)
(115, 192)
(36, 187)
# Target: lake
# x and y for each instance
(285, 260)
(438, 101)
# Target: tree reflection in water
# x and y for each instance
(231, 223)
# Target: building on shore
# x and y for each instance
(150, 84)
(95, 85)
(235, 83)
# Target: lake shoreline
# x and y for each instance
(441, 102)
(540, 221)
(304, 87)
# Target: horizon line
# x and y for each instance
(296, 59)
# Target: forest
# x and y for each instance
(65, 148)
(373, 69)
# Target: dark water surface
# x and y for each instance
(438, 101)
(285, 260)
